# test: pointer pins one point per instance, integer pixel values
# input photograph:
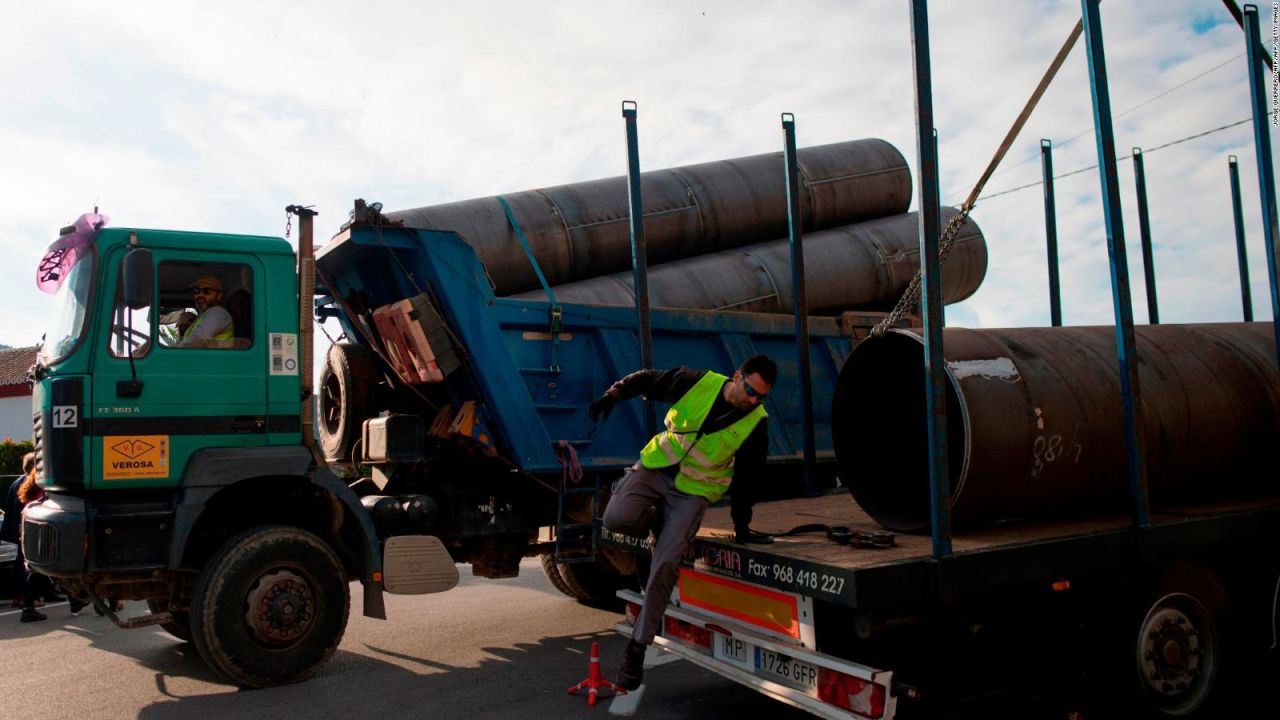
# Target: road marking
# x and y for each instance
(15, 612)
(655, 656)
(627, 704)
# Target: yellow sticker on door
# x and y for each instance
(135, 456)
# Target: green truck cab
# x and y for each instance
(173, 458)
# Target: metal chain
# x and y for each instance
(288, 224)
(912, 294)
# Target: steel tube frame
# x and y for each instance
(1266, 173)
(1135, 451)
(931, 295)
(1242, 253)
(1051, 232)
(1144, 234)
(799, 302)
(639, 261)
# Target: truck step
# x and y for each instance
(561, 529)
(558, 407)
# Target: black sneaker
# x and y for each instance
(744, 537)
(76, 605)
(30, 614)
(631, 674)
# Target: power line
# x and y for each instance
(1126, 157)
(1140, 105)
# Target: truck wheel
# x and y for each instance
(180, 626)
(593, 583)
(1176, 645)
(346, 383)
(552, 571)
(271, 607)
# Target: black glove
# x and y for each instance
(744, 536)
(600, 409)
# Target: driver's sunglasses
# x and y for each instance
(203, 291)
(752, 392)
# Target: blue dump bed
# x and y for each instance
(530, 384)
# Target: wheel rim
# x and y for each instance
(331, 403)
(1177, 653)
(280, 607)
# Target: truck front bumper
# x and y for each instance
(53, 535)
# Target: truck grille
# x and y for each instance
(37, 439)
(40, 542)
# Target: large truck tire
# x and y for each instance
(180, 626)
(271, 607)
(346, 384)
(1175, 645)
(594, 583)
(552, 570)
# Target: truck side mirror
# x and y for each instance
(139, 279)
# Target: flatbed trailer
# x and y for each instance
(1165, 611)
(881, 616)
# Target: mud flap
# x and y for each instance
(417, 565)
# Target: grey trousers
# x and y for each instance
(629, 513)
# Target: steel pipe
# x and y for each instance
(581, 230)
(1039, 428)
(865, 266)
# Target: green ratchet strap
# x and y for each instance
(557, 314)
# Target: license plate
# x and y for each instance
(786, 670)
(733, 650)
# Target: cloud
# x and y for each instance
(215, 116)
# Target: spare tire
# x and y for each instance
(346, 383)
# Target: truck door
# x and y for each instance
(185, 374)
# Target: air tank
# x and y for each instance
(863, 266)
(581, 230)
(1035, 421)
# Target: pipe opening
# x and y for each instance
(880, 431)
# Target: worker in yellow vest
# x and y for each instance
(213, 327)
(714, 421)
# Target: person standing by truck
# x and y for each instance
(714, 421)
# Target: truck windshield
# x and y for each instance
(70, 307)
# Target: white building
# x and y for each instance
(15, 395)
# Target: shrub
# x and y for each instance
(11, 456)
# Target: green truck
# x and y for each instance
(179, 469)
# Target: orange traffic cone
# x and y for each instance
(595, 680)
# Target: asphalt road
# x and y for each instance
(486, 649)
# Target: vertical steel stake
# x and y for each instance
(931, 297)
(1051, 232)
(1125, 341)
(801, 304)
(937, 187)
(1242, 254)
(639, 258)
(1266, 173)
(1144, 233)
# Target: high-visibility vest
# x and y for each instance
(705, 461)
(228, 334)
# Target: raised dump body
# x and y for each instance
(529, 370)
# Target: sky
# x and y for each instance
(215, 116)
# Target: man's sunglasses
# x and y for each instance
(203, 291)
(752, 392)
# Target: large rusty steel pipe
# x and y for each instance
(581, 230)
(864, 266)
(1036, 424)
